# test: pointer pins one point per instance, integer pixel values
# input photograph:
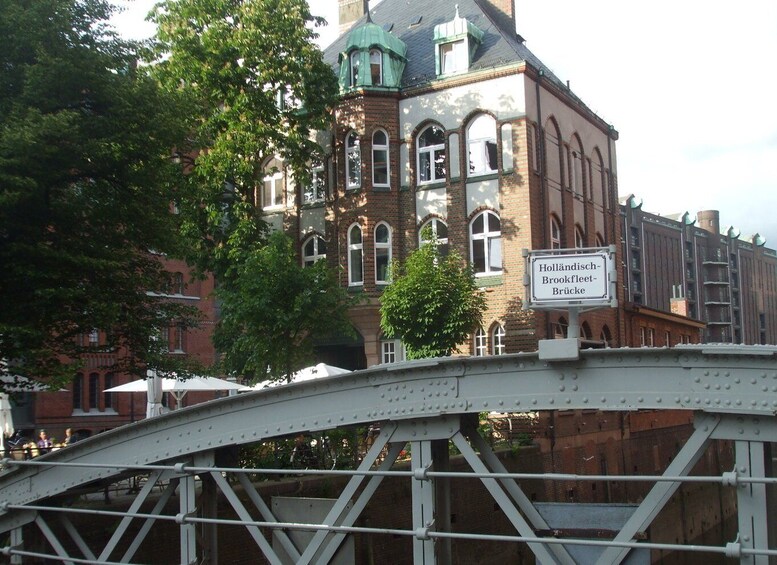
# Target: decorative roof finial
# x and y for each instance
(457, 11)
(369, 19)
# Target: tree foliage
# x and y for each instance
(85, 190)
(432, 303)
(274, 309)
(257, 87)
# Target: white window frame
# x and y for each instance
(579, 237)
(391, 351)
(355, 249)
(481, 134)
(353, 67)
(315, 191)
(454, 57)
(309, 259)
(491, 242)
(555, 233)
(376, 59)
(432, 153)
(498, 340)
(276, 186)
(480, 343)
(442, 242)
(381, 148)
(382, 248)
(353, 157)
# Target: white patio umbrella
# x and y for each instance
(6, 421)
(306, 374)
(177, 387)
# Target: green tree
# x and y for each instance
(275, 308)
(432, 303)
(86, 184)
(257, 87)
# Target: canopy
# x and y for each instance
(179, 388)
(306, 374)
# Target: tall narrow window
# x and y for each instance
(498, 340)
(376, 67)
(94, 338)
(314, 249)
(94, 382)
(78, 392)
(382, 253)
(314, 190)
(272, 190)
(355, 256)
(391, 351)
(355, 67)
(439, 229)
(480, 343)
(179, 344)
(555, 233)
(481, 142)
(579, 237)
(431, 155)
(178, 283)
(486, 243)
(108, 396)
(380, 159)
(353, 159)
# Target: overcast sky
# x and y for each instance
(689, 85)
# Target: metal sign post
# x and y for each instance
(573, 281)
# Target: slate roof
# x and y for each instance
(500, 46)
(413, 22)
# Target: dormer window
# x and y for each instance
(376, 67)
(456, 43)
(354, 58)
(453, 57)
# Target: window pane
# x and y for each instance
(379, 138)
(380, 166)
(439, 164)
(355, 236)
(382, 234)
(425, 166)
(356, 266)
(491, 155)
(477, 225)
(354, 68)
(479, 255)
(432, 136)
(495, 254)
(381, 264)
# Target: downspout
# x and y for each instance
(543, 184)
(615, 213)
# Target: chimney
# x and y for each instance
(503, 11)
(709, 220)
(349, 11)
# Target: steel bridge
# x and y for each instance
(731, 389)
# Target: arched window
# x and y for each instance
(376, 67)
(576, 180)
(560, 328)
(498, 340)
(439, 229)
(382, 253)
(355, 256)
(354, 58)
(353, 160)
(380, 158)
(272, 189)
(579, 237)
(485, 235)
(555, 233)
(481, 142)
(391, 350)
(431, 155)
(600, 241)
(314, 249)
(480, 343)
(585, 331)
(606, 336)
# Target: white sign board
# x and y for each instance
(569, 279)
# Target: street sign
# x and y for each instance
(563, 278)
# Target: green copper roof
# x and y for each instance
(371, 35)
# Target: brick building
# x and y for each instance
(692, 267)
(446, 119)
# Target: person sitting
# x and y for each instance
(44, 443)
(70, 439)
